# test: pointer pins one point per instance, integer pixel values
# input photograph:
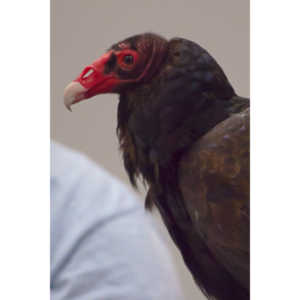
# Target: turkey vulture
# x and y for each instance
(185, 132)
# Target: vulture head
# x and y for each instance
(136, 61)
(125, 64)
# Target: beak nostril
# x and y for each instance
(88, 73)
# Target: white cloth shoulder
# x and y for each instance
(103, 243)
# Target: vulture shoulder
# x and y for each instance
(214, 181)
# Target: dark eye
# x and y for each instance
(128, 59)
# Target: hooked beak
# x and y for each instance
(74, 92)
(92, 81)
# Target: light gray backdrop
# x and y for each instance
(81, 30)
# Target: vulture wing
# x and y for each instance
(214, 181)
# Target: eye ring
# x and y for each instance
(128, 59)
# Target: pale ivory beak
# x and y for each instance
(74, 92)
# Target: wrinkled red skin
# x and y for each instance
(94, 79)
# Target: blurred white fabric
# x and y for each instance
(103, 243)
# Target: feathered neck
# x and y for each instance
(159, 119)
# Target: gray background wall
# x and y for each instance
(81, 30)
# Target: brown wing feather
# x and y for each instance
(214, 180)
